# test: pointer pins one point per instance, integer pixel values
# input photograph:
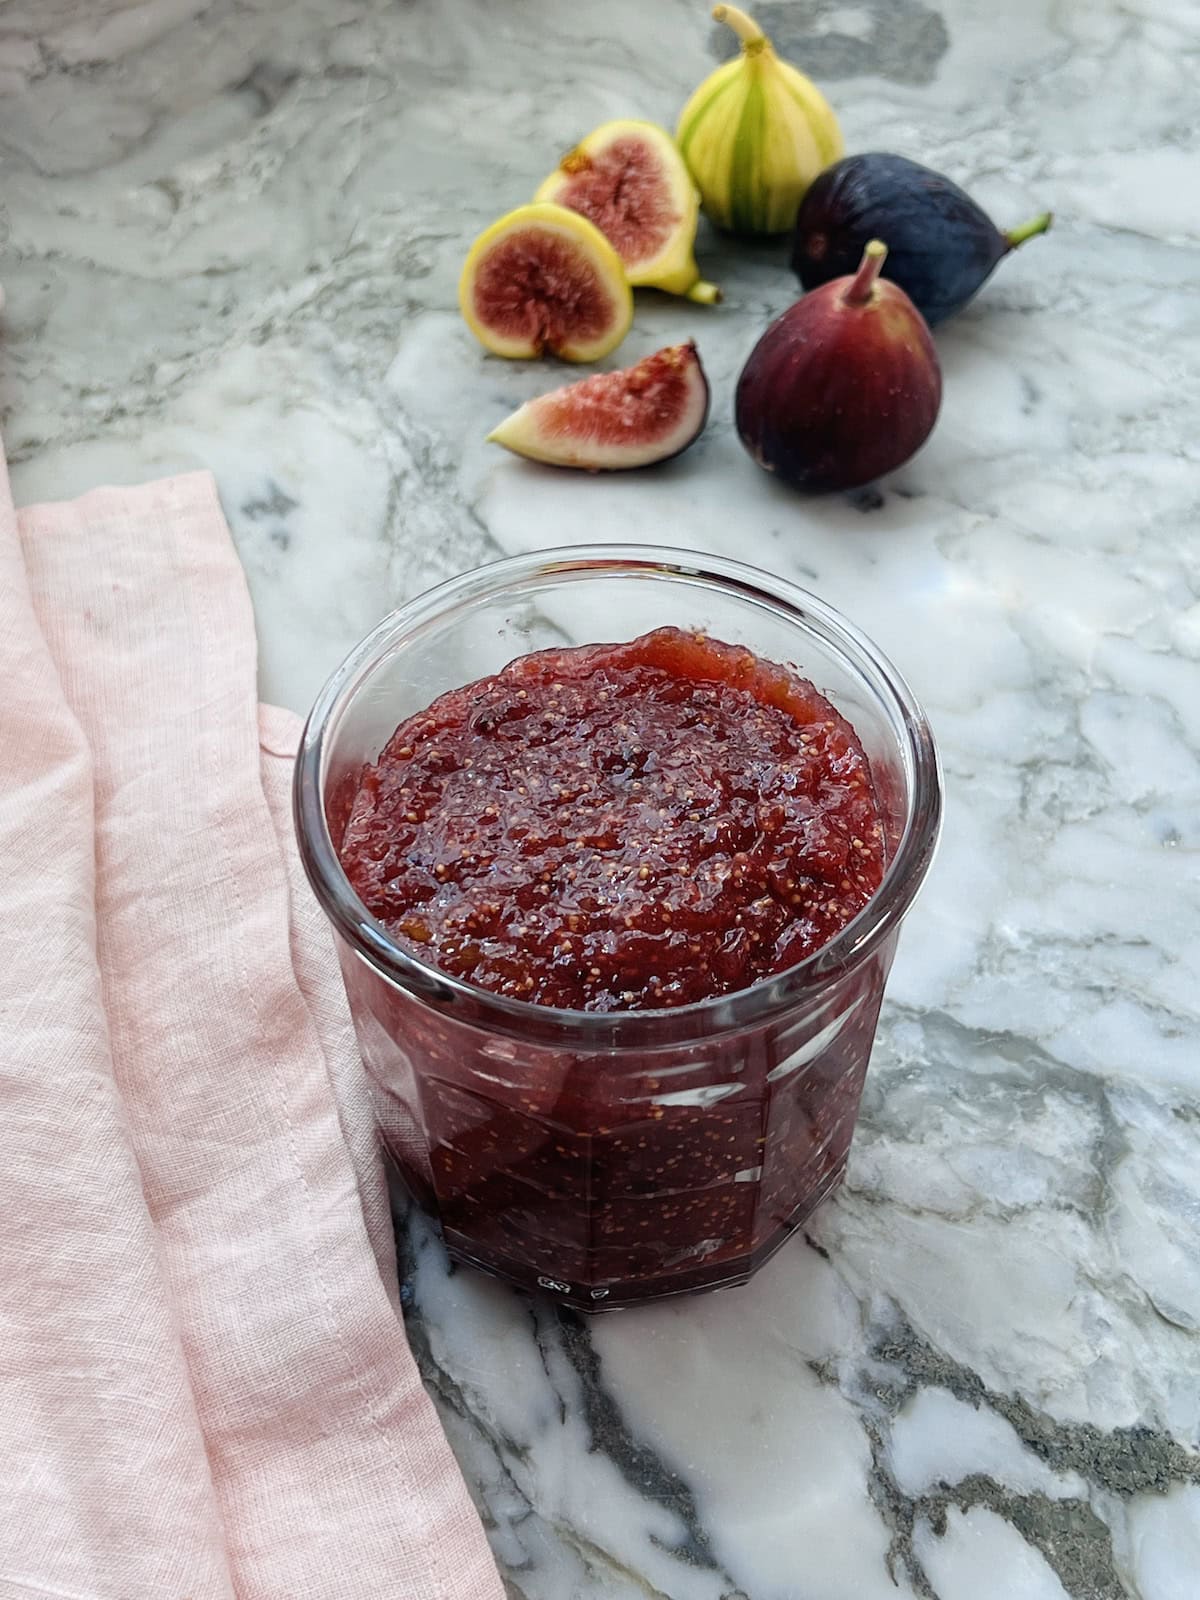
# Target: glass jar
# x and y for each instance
(614, 1158)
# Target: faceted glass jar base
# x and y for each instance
(723, 1272)
(609, 1178)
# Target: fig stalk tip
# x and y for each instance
(748, 31)
(1017, 236)
(859, 290)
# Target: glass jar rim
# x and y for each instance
(522, 1019)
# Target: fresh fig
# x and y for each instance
(545, 278)
(614, 420)
(942, 247)
(755, 134)
(844, 386)
(629, 179)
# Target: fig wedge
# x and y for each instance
(615, 420)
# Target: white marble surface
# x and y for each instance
(231, 232)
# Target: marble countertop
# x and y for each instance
(231, 232)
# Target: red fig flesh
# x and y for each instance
(618, 180)
(629, 178)
(543, 278)
(615, 420)
(844, 386)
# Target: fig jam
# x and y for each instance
(619, 828)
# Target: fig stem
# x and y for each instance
(748, 31)
(1027, 230)
(704, 294)
(859, 290)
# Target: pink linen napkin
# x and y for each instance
(205, 1390)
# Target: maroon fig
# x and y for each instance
(844, 386)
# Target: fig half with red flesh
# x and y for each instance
(629, 178)
(844, 386)
(615, 420)
(542, 279)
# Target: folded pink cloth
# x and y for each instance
(205, 1388)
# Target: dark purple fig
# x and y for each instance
(942, 247)
(613, 420)
(844, 386)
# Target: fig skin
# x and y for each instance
(942, 247)
(843, 387)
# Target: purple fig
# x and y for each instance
(942, 247)
(632, 418)
(844, 386)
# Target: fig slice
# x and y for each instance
(615, 420)
(544, 278)
(629, 178)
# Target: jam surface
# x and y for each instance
(619, 827)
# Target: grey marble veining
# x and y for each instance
(231, 231)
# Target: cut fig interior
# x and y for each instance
(532, 286)
(544, 278)
(623, 190)
(615, 420)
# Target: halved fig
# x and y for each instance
(615, 420)
(544, 278)
(629, 178)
